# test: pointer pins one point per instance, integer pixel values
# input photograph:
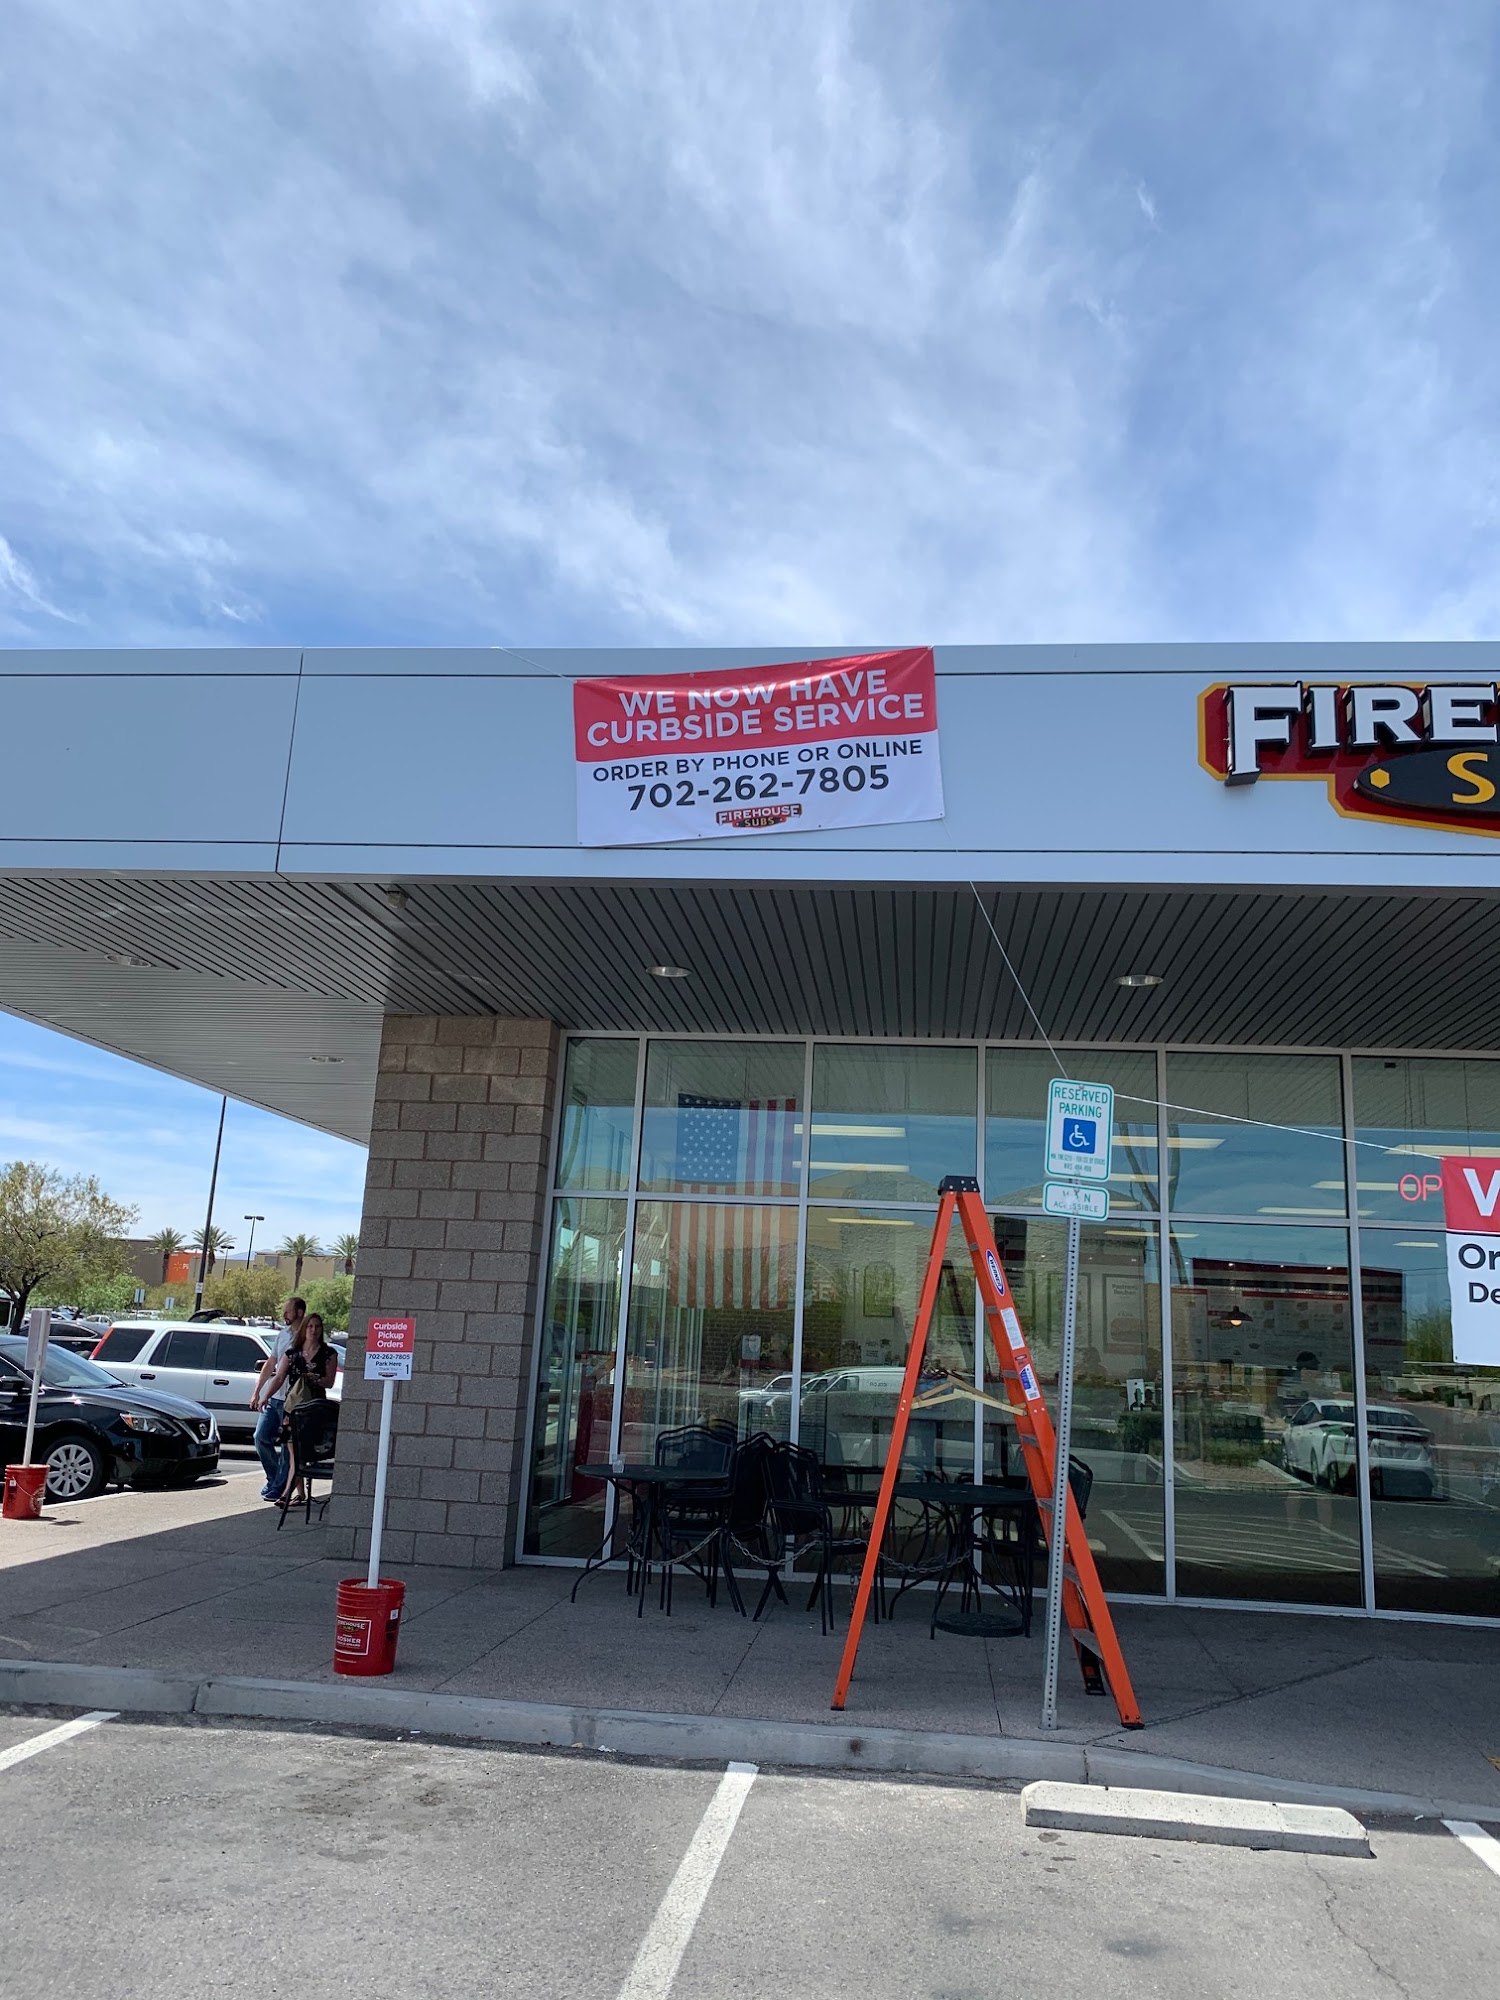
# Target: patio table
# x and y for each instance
(643, 1483)
(971, 1512)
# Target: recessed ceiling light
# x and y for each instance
(670, 972)
(325, 1059)
(397, 899)
(1134, 979)
(129, 959)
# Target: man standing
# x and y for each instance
(273, 1455)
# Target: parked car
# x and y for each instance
(215, 1365)
(1320, 1443)
(72, 1331)
(91, 1429)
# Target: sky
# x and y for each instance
(836, 322)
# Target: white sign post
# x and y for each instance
(388, 1353)
(1080, 1136)
(38, 1334)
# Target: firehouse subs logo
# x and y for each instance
(1415, 754)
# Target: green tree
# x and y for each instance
(298, 1248)
(332, 1297)
(217, 1243)
(166, 1243)
(57, 1231)
(253, 1294)
(96, 1298)
(347, 1247)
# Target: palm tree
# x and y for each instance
(346, 1247)
(214, 1240)
(299, 1247)
(166, 1243)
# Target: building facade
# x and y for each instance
(656, 1127)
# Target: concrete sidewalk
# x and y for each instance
(201, 1585)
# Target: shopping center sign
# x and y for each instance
(1416, 753)
(1471, 1215)
(704, 756)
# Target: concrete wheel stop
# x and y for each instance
(1257, 1823)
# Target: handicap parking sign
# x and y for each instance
(1080, 1135)
(1080, 1121)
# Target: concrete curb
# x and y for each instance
(713, 1739)
(1153, 1815)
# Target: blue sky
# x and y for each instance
(537, 322)
(150, 1140)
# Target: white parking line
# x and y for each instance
(1483, 1846)
(672, 1927)
(49, 1738)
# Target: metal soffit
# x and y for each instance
(243, 983)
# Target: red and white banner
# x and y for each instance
(846, 742)
(1471, 1215)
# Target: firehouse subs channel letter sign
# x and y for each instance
(701, 756)
(1410, 753)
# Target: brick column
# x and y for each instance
(453, 1231)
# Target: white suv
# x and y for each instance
(212, 1364)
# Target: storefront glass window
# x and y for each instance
(1016, 1083)
(722, 1118)
(1419, 1109)
(1434, 1437)
(890, 1121)
(1263, 1418)
(1263, 1415)
(598, 1114)
(576, 1377)
(1117, 1409)
(864, 1273)
(710, 1320)
(1260, 1135)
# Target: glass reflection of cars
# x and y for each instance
(1320, 1444)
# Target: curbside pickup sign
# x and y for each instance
(388, 1350)
(783, 749)
(1471, 1215)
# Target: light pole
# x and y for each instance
(252, 1220)
(208, 1225)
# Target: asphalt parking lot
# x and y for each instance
(142, 1856)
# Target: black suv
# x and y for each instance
(91, 1428)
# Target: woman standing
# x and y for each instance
(308, 1368)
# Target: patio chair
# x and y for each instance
(802, 1512)
(750, 1534)
(313, 1432)
(689, 1519)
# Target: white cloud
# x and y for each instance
(534, 321)
(543, 321)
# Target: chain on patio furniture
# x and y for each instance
(750, 1534)
(313, 1432)
(689, 1516)
(922, 1554)
(802, 1511)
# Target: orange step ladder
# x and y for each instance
(1084, 1607)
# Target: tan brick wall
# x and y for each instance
(452, 1232)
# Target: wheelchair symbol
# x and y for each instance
(1079, 1135)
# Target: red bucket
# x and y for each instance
(25, 1487)
(366, 1625)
